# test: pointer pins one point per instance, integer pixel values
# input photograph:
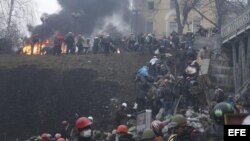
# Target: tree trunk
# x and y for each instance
(10, 14)
(178, 17)
(220, 7)
(219, 4)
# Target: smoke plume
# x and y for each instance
(86, 17)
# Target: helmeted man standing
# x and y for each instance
(70, 42)
(183, 132)
(84, 130)
(121, 114)
(122, 133)
(66, 130)
(58, 40)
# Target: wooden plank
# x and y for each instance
(204, 67)
(234, 119)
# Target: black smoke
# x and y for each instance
(89, 13)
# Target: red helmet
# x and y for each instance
(157, 126)
(82, 122)
(60, 139)
(122, 129)
(45, 137)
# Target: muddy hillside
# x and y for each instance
(38, 92)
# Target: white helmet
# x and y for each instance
(246, 121)
(58, 135)
(124, 105)
(91, 118)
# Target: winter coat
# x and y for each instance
(126, 137)
(215, 132)
(143, 71)
(120, 115)
(190, 134)
(79, 138)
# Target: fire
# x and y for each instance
(37, 48)
(64, 48)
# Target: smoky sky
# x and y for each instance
(89, 13)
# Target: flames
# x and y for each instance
(37, 48)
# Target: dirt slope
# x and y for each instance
(38, 92)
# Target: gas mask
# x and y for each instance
(86, 133)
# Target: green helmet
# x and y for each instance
(148, 134)
(179, 119)
(219, 110)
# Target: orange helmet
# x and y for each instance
(82, 122)
(122, 129)
(60, 139)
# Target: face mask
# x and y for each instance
(86, 133)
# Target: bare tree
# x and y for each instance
(183, 8)
(15, 15)
(15, 12)
(223, 10)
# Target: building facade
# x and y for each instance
(236, 38)
(159, 16)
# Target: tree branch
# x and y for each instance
(188, 6)
(241, 4)
(205, 17)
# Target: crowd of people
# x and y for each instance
(72, 43)
(168, 84)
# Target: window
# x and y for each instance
(195, 24)
(150, 4)
(149, 27)
(173, 27)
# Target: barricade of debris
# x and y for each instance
(199, 120)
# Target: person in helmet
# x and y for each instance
(65, 130)
(58, 41)
(181, 131)
(215, 131)
(219, 95)
(143, 73)
(157, 127)
(220, 110)
(148, 135)
(122, 133)
(70, 42)
(83, 126)
(91, 118)
(121, 114)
